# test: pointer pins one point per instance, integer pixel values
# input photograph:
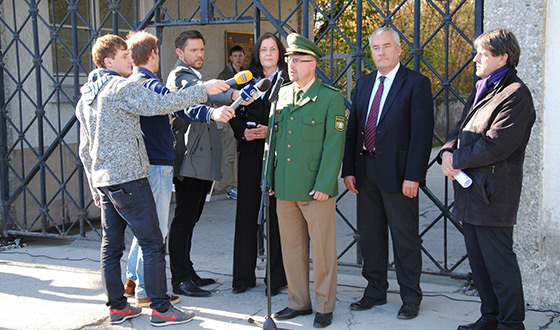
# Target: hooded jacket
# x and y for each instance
(111, 145)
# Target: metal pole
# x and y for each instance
(4, 182)
(39, 111)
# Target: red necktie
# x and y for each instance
(371, 125)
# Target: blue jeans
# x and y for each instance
(160, 178)
(132, 203)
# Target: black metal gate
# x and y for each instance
(45, 56)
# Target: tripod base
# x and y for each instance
(267, 325)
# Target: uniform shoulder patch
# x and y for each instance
(339, 123)
(331, 87)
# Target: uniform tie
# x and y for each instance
(299, 95)
(371, 125)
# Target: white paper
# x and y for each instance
(463, 179)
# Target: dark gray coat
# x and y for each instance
(198, 152)
(489, 146)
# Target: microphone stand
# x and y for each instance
(264, 216)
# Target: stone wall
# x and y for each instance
(537, 258)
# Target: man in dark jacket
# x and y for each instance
(197, 163)
(489, 146)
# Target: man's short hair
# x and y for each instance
(106, 46)
(182, 38)
(236, 48)
(141, 45)
(382, 29)
(500, 42)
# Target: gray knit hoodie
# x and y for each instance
(111, 145)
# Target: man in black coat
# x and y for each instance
(489, 146)
(388, 144)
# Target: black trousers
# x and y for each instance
(379, 210)
(190, 196)
(246, 228)
(496, 274)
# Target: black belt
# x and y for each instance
(365, 152)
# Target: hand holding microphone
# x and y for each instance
(215, 86)
(223, 114)
(250, 92)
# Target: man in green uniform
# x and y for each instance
(307, 152)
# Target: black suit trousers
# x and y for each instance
(246, 227)
(379, 210)
(190, 195)
(496, 274)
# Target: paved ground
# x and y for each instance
(56, 284)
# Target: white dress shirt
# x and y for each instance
(389, 78)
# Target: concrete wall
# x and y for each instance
(550, 212)
(538, 230)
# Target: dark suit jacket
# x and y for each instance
(489, 145)
(404, 132)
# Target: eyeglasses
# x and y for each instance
(270, 50)
(296, 61)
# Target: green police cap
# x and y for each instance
(300, 45)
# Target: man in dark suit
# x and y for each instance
(388, 143)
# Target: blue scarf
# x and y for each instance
(483, 85)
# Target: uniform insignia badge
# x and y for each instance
(339, 123)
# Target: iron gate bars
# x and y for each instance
(45, 56)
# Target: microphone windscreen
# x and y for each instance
(243, 77)
(264, 85)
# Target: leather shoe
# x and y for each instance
(322, 320)
(480, 324)
(240, 289)
(273, 291)
(408, 311)
(129, 288)
(188, 288)
(145, 302)
(288, 313)
(366, 303)
(202, 281)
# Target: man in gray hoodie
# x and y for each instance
(116, 164)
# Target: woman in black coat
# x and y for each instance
(267, 59)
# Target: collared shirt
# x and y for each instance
(389, 78)
(304, 88)
(198, 74)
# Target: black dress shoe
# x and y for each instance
(188, 288)
(480, 324)
(322, 320)
(366, 303)
(408, 311)
(273, 292)
(240, 289)
(288, 313)
(202, 281)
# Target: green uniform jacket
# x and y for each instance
(308, 144)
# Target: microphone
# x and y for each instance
(252, 92)
(246, 94)
(262, 87)
(240, 78)
(279, 80)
